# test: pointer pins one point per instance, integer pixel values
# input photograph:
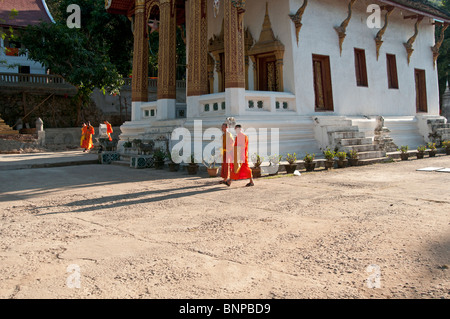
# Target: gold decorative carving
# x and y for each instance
(341, 30)
(268, 45)
(438, 44)
(140, 54)
(234, 47)
(297, 18)
(198, 49)
(167, 51)
(379, 37)
(409, 45)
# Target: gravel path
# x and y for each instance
(155, 234)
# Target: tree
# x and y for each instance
(97, 55)
(444, 57)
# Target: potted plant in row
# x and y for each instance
(211, 167)
(309, 162)
(432, 152)
(446, 144)
(257, 161)
(404, 155)
(329, 158)
(127, 147)
(353, 158)
(421, 151)
(159, 158)
(192, 167)
(292, 165)
(342, 159)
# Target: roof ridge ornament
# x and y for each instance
(297, 18)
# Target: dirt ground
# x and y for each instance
(114, 232)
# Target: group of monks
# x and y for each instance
(87, 130)
(235, 156)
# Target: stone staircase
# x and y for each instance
(6, 130)
(440, 130)
(349, 138)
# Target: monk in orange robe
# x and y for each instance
(86, 137)
(109, 130)
(227, 151)
(240, 169)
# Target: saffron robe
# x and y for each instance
(109, 130)
(227, 154)
(240, 168)
(86, 137)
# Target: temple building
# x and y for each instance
(327, 73)
(16, 15)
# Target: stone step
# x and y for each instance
(360, 148)
(12, 132)
(333, 128)
(347, 135)
(371, 161)
(356, 141)
(441, 131)
(371, 154)
(438, 126)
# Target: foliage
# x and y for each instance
(403, 149)
(127, 144)
(446, 144)
(353, 154)
(257, 160)
(421, 149)
(432, 146)
(309, 158)
(159, 155)
(291, 158)
(275, 159)
(341, 155)
(329, 154)
(443, 63)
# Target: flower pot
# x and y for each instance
(309, 166)
(420, 155)
(432, 153)
(404, 156)
(329, 164)
(192, 169)
(256, 172)
(159, 164)
(212, 172)
(290, 168)
(342, 163)
(353, 161)
(173, 167)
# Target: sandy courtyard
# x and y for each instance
(114, 232)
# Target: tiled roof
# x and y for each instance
(421, 6)
(29, 12)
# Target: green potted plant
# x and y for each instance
(421, 151)
(274, 164)
(127, 147)
(173, 167)
(342, 159)
(309, 162)
(257, 161)
(329, 158)
(404, 155)
(159, 158)
(432, 149)
(211, 167)
(353, 158)
(446, 144)
(192, 167)
(292, 165)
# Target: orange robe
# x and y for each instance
(109, 131)
(240, 168)
(227, 153)
(86, 137)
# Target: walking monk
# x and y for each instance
(227, 151)
(109, 130)
(86, 136)
(240, 169)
